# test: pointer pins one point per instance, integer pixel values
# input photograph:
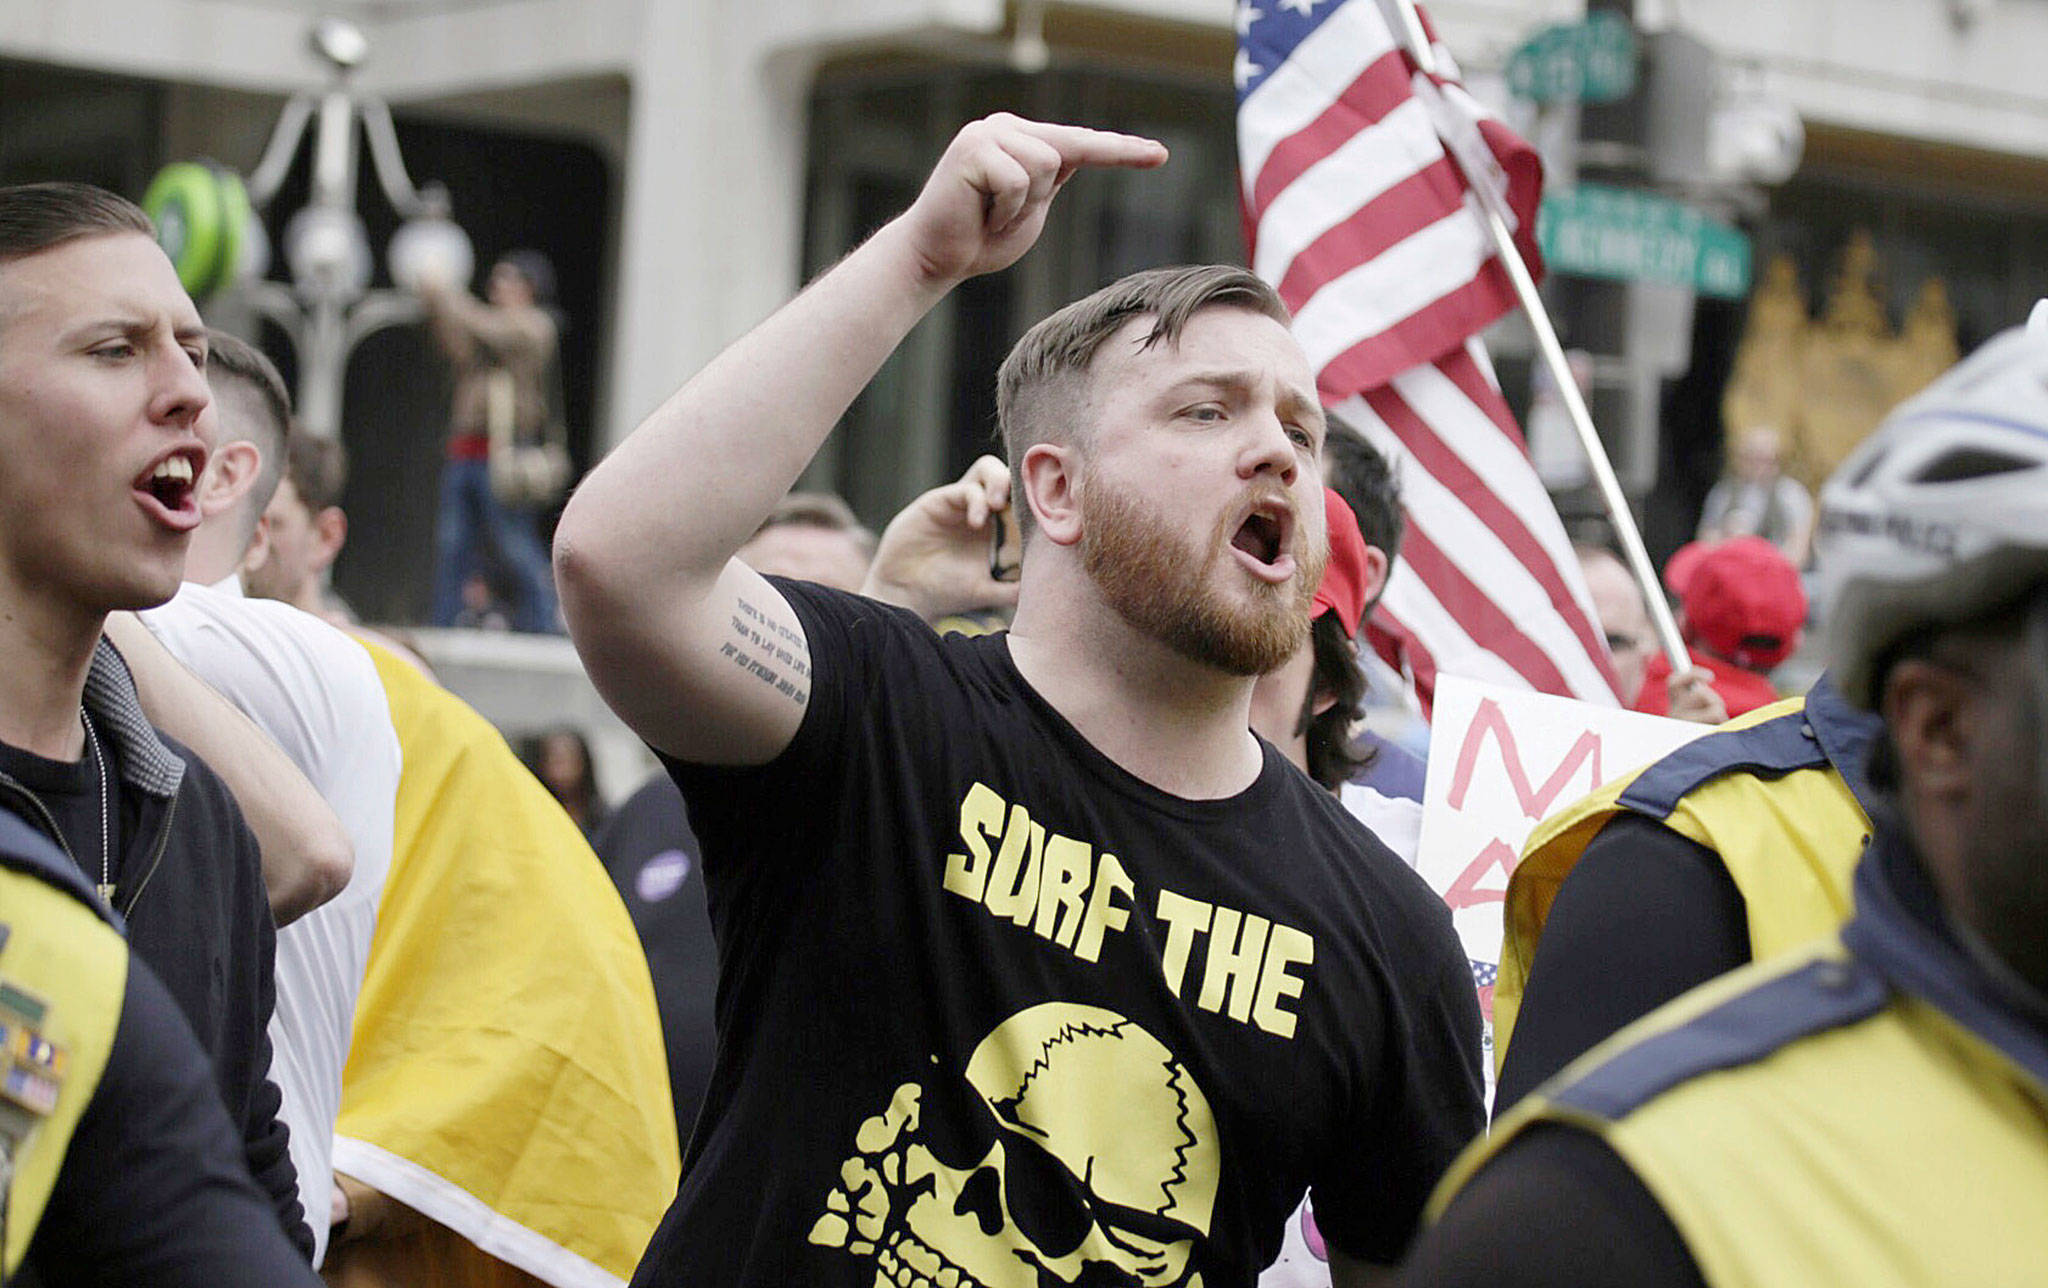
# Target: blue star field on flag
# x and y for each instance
(1268, 31)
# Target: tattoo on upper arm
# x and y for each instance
(770, 650)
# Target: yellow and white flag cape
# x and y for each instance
(507, 1076)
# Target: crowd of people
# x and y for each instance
(1020, 901)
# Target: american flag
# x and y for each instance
(1357, 213)
(1484, 976)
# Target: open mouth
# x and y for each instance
(172, 484)
(1263, 534)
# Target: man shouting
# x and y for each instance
(1037, 966)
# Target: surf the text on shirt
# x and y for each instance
(1236, 963)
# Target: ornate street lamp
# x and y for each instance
(209, 228)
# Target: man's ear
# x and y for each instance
(330, 534)
(1927, 710)
(230, 473)
(1052, 489)
(1376, 566)
(258, 552)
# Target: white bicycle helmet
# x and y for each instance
(1941, 515)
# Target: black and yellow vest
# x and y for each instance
(1778, 793)
(63, 975)
(1871, 1111)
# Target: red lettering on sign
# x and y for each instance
(1466, 890)
(1535, 801)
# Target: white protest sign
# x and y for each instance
(1500, 761)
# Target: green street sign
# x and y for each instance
(1577, 62)
(1635, 236)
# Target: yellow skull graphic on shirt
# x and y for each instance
(1101, 1166)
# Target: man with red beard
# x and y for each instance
(1036, 965)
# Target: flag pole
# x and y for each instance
(1495, 218)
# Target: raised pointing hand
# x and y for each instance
(986, 201)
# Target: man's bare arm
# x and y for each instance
(450, 336)
(307, 858)
(695, 651)
(460, 322)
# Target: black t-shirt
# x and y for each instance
(652, 855)
(1644, 916)
(989, 1002)
(71, 793)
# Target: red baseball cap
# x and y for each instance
(1343, 587)
(1742, 599)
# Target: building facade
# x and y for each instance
(688, 163)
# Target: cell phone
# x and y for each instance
(1005, 547)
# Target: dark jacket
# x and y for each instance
(152, 1189)
(189, 883)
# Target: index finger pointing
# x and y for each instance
(1079, 145)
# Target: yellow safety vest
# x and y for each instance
(1766, 792)
(1854, 1114)
(63, 976)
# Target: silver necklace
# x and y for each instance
(92, 740)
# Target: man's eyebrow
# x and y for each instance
(1214, 380)
(1301, 402)
(134, 324)
(1304, 404)
(111, 323)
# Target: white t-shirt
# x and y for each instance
(316, 693)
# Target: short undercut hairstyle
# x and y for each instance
(36, 216)
(231, 359)
(1039, 390)
(318, 468)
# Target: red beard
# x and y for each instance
(1165, 589)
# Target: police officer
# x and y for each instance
(1873, 1109)
(1734, 848)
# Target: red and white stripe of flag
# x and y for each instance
(1363, 223)
(1486, 584)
